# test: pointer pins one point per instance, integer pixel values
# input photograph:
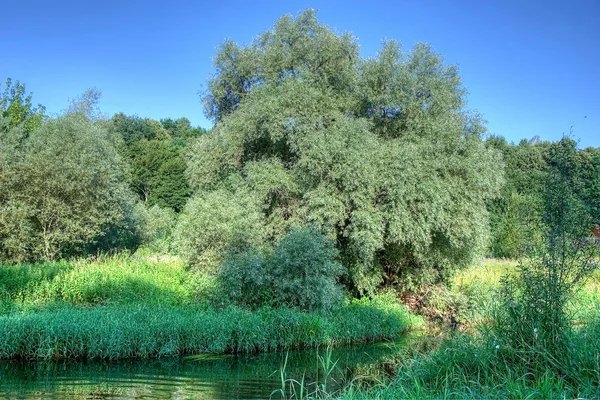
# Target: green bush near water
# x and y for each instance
(302, 273)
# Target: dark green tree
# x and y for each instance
(516, 216)
(157, 166)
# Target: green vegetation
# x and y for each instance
(504, 359)
(516, 217)
(130, 307)
(329, 187)
(111, 332)
(534, 343)
(301, 273)
(379, 154)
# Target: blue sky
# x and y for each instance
(531, 67)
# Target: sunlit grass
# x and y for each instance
(122, 306)
(111, 332)
(474, 365)
(109, 280)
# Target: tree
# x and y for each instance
(380, 154)
(181, 128)
(516, 216)
(86, 105)
(61, 189)
(157, 171)
(16, 107)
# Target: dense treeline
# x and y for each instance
(522, 211)
(80, 183)
(371, 171)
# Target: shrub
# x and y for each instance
(301, 273)
(156, 227)
(214, 222)
(245, 279)
(304, 270)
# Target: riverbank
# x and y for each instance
(141, 308)
(471, 361)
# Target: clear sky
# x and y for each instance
(532, 67)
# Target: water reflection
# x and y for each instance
(204, 376)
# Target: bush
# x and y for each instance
(245, 279)
(156, 227)
(214, 222)
(304, 270)
(301, 273)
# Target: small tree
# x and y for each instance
(305, 271)
(61, 187)
(302, 272)
(16, 107)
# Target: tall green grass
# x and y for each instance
(470, 366)
(122, 306)
(111, 332)
(117, 279)
(491, 363)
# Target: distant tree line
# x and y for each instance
(523, 210)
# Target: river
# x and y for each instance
(248, 376)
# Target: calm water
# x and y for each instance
(201, 377)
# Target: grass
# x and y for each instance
(476, 364)
(480, 365)
(468, 366)
(122, 307)
(113, 280)
(112, 332)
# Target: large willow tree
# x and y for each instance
(381, 153)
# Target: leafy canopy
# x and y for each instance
(61, 187)
(379, 153)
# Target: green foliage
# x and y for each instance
(484, 364)
(86, 105)
(304, 272)
(245, 279)
(158, 173)
(155, 155)
(518, 214)
(134, 128)
(156, 227)
(16, 108)
(534, 319)
(216, 221)
(293, 48)
(517, 226)
(181, 129)
(379, 154)
(61, 187)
